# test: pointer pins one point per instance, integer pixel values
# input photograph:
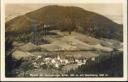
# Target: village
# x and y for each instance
(58, 62)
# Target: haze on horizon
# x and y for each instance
(114, 11)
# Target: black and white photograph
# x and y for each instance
(64, 40)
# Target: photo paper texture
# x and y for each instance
(64, 40)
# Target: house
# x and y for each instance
(64, 62)
(38, 57)
(93, 58)
(36, 66)
(80, 61)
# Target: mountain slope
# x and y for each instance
(66, 19)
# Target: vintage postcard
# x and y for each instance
(63, 40)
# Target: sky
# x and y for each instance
(63, 1)
(104, 9)
(113, 11)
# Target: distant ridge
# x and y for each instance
(67, 18)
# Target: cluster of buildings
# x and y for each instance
(57, 62)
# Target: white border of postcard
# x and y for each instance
(3, 2)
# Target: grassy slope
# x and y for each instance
(67, 19)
